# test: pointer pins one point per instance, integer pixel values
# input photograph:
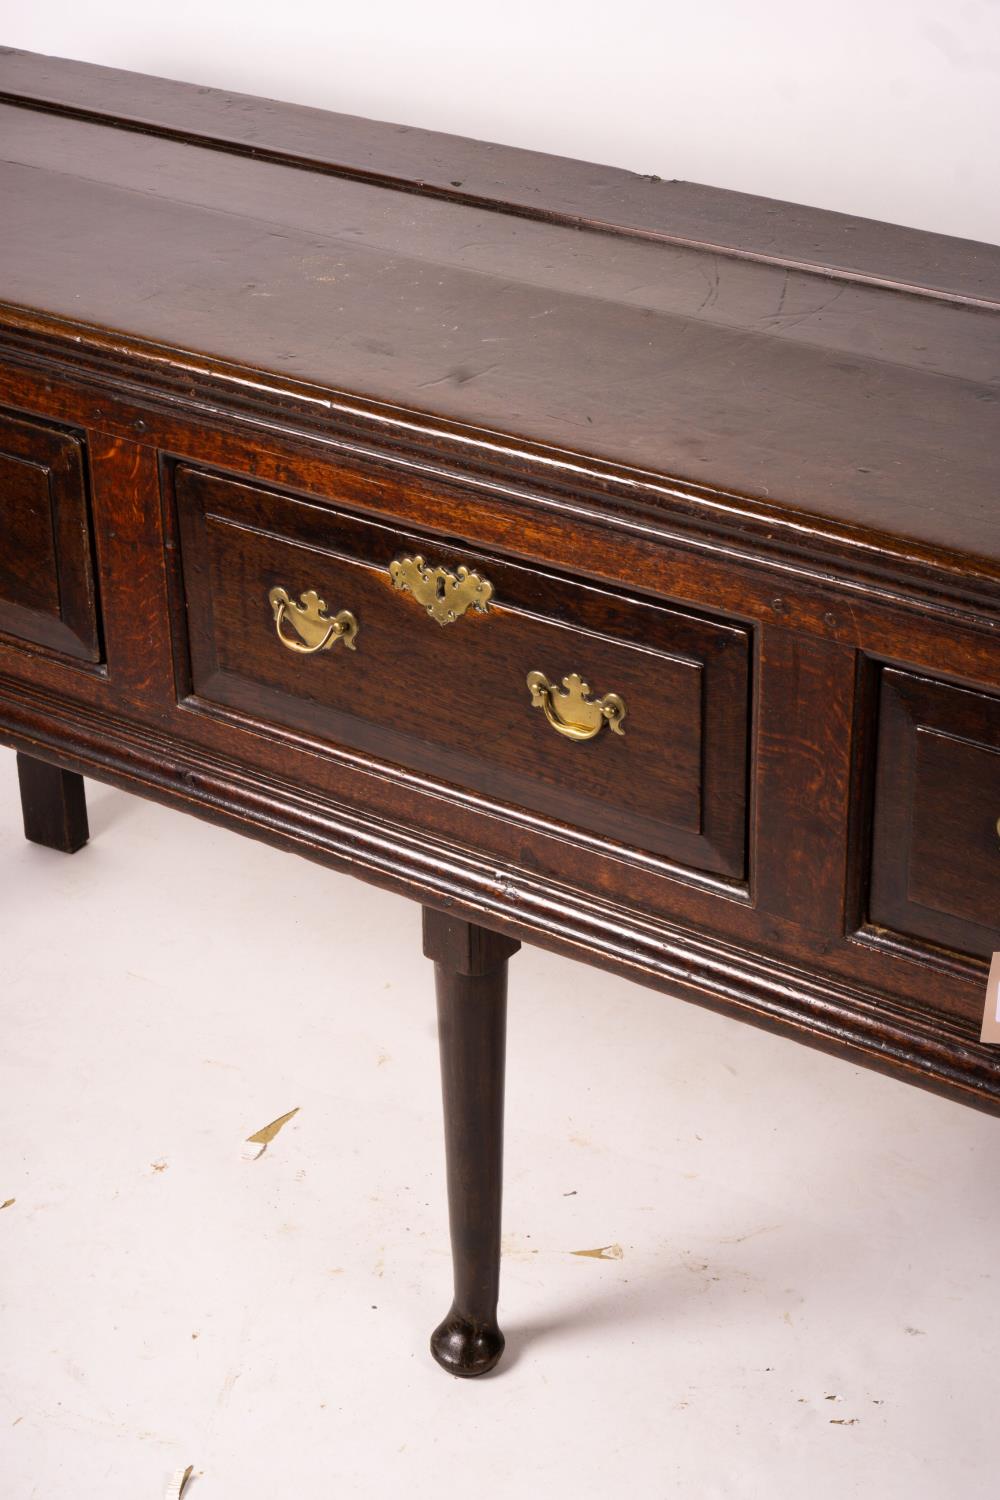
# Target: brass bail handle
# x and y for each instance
(571, 710)
(314, 628)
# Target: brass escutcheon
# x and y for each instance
(444, 595)
(315, 630)
(571, 710)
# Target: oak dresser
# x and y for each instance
(607, 563)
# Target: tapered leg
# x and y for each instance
(471, 977)
(54, 805)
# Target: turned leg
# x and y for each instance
(54, 805)
(470, 966)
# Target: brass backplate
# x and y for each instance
(445, 595)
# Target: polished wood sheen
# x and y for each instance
(732, 463)
(470, 965)
(47, 591)
(937, 814)
(421, 694)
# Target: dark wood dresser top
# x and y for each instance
(728, 360)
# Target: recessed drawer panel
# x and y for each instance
(634, 727)
(47, 591)
(936, 851)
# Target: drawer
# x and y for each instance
(47, 592)
(936, 843)
(451, 700)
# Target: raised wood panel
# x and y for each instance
(28, 576)
(936, 839)
(47, 591)
(452, 700)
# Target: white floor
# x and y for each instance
(806, 1299)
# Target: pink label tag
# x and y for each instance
(991, 1015)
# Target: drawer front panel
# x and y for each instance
(936, 850)
(452, 700)
(47, 593)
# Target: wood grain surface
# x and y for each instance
(734, 460)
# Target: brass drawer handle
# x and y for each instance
(444, 595)
(571, 710)
(315, 629)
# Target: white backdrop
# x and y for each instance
(889, 109)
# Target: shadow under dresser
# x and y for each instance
(606, 563)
